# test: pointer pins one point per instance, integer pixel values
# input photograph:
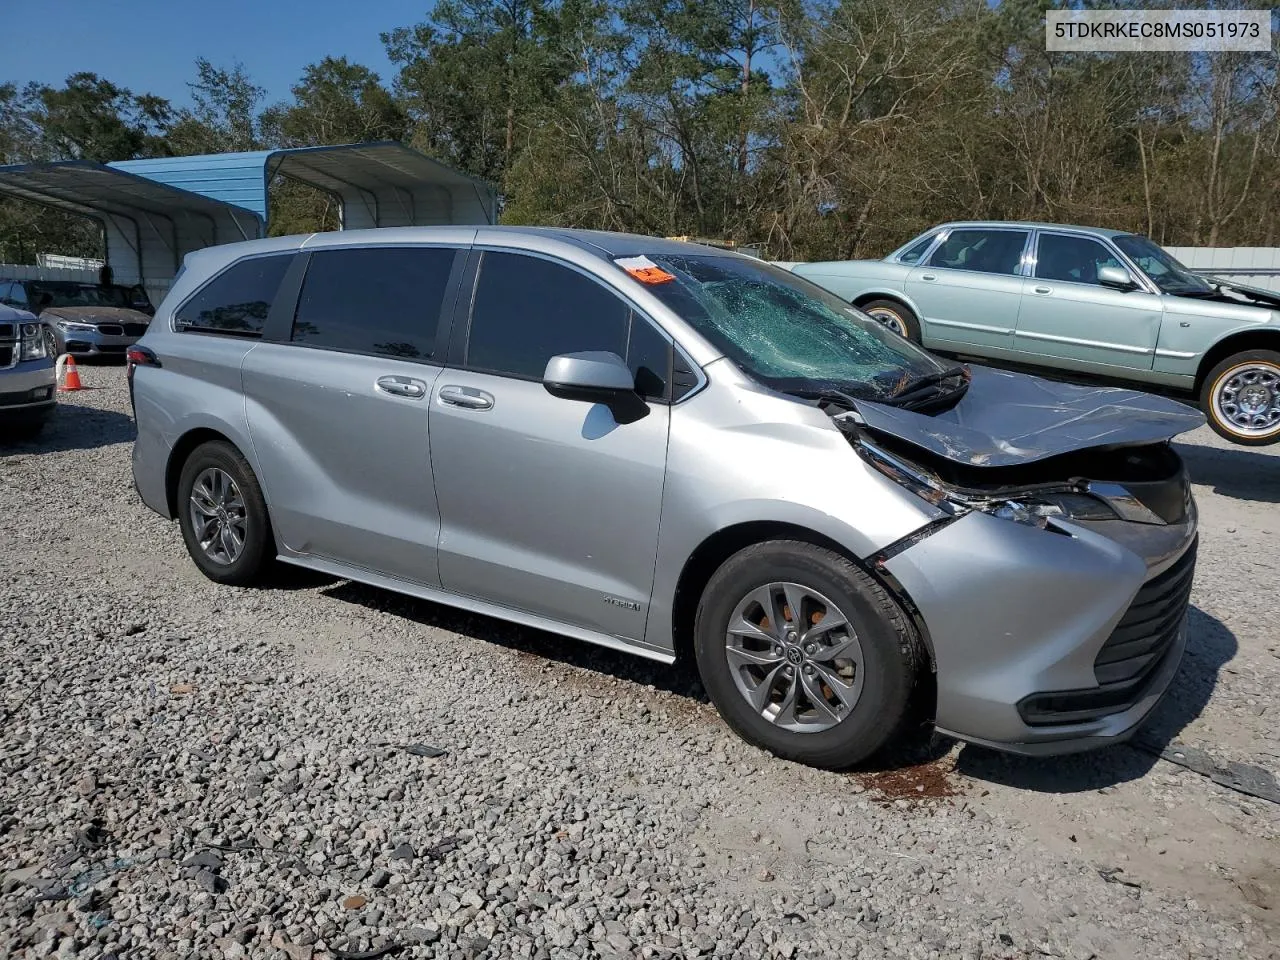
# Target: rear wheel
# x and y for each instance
(223, 515)
(897, 317)
(805, 655)
(1241, 398)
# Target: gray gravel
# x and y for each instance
(195, 770)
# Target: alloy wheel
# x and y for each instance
(794, 657)
(1247, 399)
(218, 515)
(889, 319)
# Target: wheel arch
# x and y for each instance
(897, 296)
(1263, 338)
(182, 449)
(719, 546)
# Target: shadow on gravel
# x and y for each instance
(73, 427)
(525, 641)
(1237, 472)
(1210, 645)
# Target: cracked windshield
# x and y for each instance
(786, 334)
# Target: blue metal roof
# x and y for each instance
(385, 183)
(237, 178)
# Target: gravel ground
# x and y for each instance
(195, 770)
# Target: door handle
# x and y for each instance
(402, 387)
(928, 276)
(469, 398)
(1042, 289)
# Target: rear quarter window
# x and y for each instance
(235, 302)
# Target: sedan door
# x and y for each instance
(338, 408)
(1069, 319)
(550, 506)
(968, 292)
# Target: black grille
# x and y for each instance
(134, 329)
(6, 355)
(1132, 655)
(8, 331)
(111, 329)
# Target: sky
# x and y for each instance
(150, 46)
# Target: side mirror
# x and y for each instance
(594, 376)
(1117, 277)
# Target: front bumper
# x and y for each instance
(27, 391)
(1027, 627)
(82, 343)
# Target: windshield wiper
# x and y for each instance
(929, 385)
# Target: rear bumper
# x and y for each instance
(1019, 617)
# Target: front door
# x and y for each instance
(1068, 319)
(339, 413)
(549, 506)
(968, 292)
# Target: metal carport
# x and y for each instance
(149, 226)
(383, 184)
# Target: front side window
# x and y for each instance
(785, 332)
(984, 251)
(237, 301)
(528, 310)
(1071, 259)
(1164, 270)
(376, 300)
(917, 250)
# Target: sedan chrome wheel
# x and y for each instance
(889, 319)
(218, 515)
(1246, 399)
(794, 657)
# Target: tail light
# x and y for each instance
(136, 356)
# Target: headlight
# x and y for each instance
(33, 345)
(72, 327)
(1035, 508)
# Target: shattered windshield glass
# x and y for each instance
(786, 332)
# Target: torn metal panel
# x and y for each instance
(1008, 418)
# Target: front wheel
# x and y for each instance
(223, 515)
(804, 654)
(1241, 398)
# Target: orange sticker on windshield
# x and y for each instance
(644, 270)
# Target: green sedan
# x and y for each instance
(1083, 301)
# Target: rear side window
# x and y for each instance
(917, 250)
(986, 251)
(375, 300)
(237, 301)
(528, 310)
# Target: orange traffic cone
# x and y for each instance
(73, 376)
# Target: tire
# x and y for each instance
(894, 315)
(884, 679)
(1252, 375)
(242, 500)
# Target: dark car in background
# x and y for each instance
(83, 318)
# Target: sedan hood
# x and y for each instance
(1008, 418)
(97, 314)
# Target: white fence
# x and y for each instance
(156, 289)
(1255, 266)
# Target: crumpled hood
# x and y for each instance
(1010, 418)
(97, 314)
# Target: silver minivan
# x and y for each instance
(682, 453)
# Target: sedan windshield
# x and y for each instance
(1165, 272)
(81, 295)
(788, 333)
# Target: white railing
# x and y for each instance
(1254, 266)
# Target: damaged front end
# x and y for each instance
(1055, 587)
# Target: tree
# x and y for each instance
(93, 119)
(224, 114)
(336, 101)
